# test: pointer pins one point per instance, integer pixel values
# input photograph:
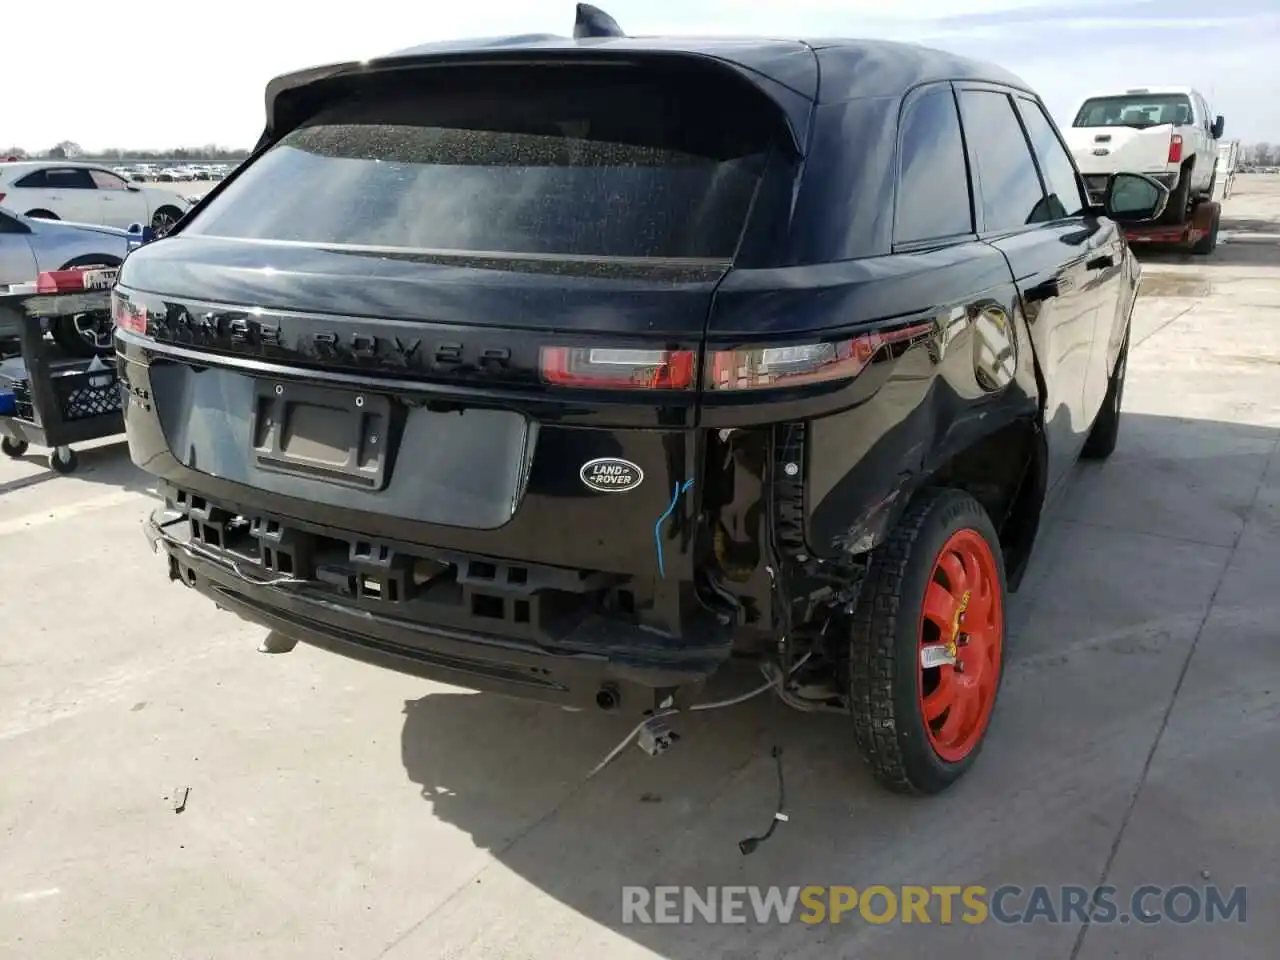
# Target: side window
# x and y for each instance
(68, 178)
(32, 181)
(1055, 163)
(933, 184)
(1012, 196)
(107, 181)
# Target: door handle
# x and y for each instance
(1104, 262)
(1046, 290)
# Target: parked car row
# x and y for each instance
(87, 193)
(184, 173)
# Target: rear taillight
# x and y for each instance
(747, 368)
(1175, 149)
(1, 198)
(753, 369)
(613, 369)
(127, 315)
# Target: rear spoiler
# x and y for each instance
(293, 97)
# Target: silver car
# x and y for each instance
(29, 247)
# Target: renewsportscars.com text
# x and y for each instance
(941, 904)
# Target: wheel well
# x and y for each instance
(1006, 471)
(92, 260)
(42, 214)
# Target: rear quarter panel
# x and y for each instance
(874, 439)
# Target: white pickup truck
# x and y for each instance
(1167, 133)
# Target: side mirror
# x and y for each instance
(1219, 124)
(1133, 198)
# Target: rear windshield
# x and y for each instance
(603, 162)
(1139, 110)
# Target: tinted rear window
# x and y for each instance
(614, 162)
(1134, 110)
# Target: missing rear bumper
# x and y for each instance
(566, 658)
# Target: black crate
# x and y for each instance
(22, 406)
(80, 394)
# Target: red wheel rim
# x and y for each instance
(964, 614)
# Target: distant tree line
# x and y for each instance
(1260, 154)
(70, 150)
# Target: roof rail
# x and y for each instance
(591, 21)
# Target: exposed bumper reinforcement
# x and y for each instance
(572, 675)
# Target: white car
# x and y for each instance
(87, 193)
(1167, 133)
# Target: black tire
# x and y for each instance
(1178, 209)
(165, 219)
(63, 460)
(1106, 428)
(1209, 242)
(13, 449)
(887, 684)
(42, 215)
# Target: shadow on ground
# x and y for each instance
(1232, 252)
(106, 463)
(1101, 635)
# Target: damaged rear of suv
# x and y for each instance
(572, 369)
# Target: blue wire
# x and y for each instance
(657, 527)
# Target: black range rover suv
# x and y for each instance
(573, 368)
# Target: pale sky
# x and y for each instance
(186, 74)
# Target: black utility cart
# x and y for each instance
(48, 396)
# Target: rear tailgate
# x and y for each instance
(1100, 151)
(522, 258)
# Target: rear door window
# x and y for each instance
(1056, 167)
(1012, 195)
(594, 162)
(933, 179)
(67, 178)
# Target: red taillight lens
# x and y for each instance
(619, 368)
(1175, 149)
(127, 315)
(747, 368)
(1, 198)
(753, 369)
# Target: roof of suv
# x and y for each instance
(820, 70)
(828, 70)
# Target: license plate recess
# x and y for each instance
(337, 436)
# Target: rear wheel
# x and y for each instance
(926, 654)
(1178, 209)
(1209, 242)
